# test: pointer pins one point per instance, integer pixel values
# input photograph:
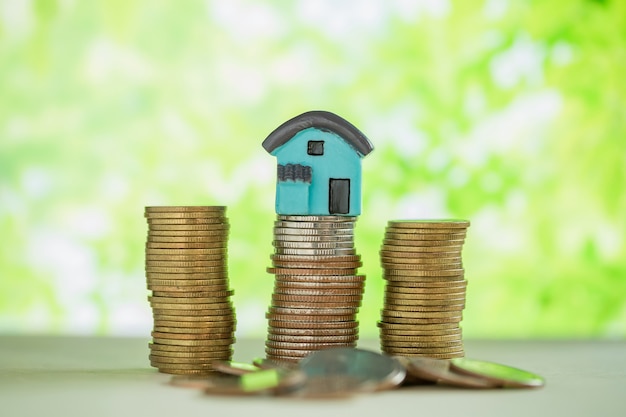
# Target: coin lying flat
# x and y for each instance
(497, 374)
(430, 224)
(438, 370)
(350, 370)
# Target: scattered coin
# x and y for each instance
(495, 373)
(438, 371)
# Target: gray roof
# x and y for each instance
(322, 120)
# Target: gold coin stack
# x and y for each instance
(425, 289)
(186, 270)
(317, 291)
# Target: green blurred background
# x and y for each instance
(511, 114)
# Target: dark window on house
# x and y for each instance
(316, 147)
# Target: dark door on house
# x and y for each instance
(339, 197)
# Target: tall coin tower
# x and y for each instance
(186, 270)
(425, 290)
(317, 289)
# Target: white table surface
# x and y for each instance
(72, 376)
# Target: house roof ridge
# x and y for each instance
(323, 120)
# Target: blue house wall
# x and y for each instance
(339, 161)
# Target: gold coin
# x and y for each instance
(319, 285)
(185, 245)
(443, 245)
(156, 289)
(186, 209)
(424, 292)
(311, 271)
(162, 349)
(290, 353)
(424, 308)
(420, 332)
(418, 273)
(207, 323)
(187, 300)
(186, 264)
(221, 234)
(214, 334)
(187, 331)
(422, 267)
(393, 350)
(188, 270)
(424, 230)
(286, 331)
(191, 356)
(189, 306)
(291, 323)
(189, 239)
(416, 326)
(195, 278)
(194, 320)
(438, 237)
(446, 344)
(185, 215)
(450, 250)
(186, 258)
(191, 285)
(315, 299)
(303, 304)
(421, 314)
(306, 346)
(156, 359)
(161, 312)
(400, 297)
(422, 261)
(165, 366)
(416, 286)
(316, 252)
(190, 227)
(312, 339)
(210, 342)
(422, 320)
(430, 223)
(189, 220)
(397, 302)
(193, 372)
(192, 294)
(309, 319)
(308, 218)
(390, 339)
(186, 252)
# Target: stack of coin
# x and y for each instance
(425, 289)
(186, 270)
(317, 291)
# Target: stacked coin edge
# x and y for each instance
(186, 272)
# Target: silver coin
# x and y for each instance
(314, 238)
(316, 252)
(314, 225)
(316, 218)
(312, 232)
(311, 245)
(348, 370)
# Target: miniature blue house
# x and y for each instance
(319, 165)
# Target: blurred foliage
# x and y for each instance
(509, 113)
